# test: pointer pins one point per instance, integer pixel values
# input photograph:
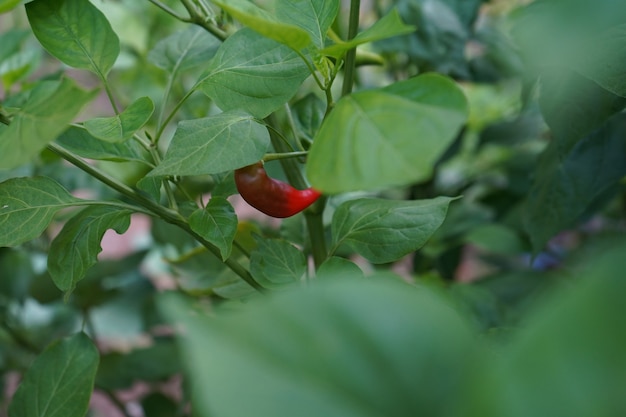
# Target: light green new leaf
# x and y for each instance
(385, 230)
(386, 137)
(275, 263)
(75, 32)
(80, 142)
(184, 50)
(254, 74)
(352, 348)
(314, 16)
(388, 26)
(60, 380)
(49, 108)
(213, 145)
(27, 206)
(7, 5)
(123, 126)
(604, 60)
(76, 247)
(266, 24)
(217, 223)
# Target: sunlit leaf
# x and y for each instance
(217, 223)
(275, 263)
(183, 50)
(314, 16)
(123, 126)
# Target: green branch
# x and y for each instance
(350, 67)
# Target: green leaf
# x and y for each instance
(266, 24)
(60, 380)
(314, 16)
(49, 108)
(338, 268)
(253, 73)
(80, 142)
(217, 223)
(351, 348)
(7, 5)
(562, 191)
(75, 32)
(604, 60)
(568, 360)
(184, 50)
(275, 263)
(76, 247)
(388, 26)
(385, 230)
(386, 137)
(27, 206)
(123, 126)
(213, 145)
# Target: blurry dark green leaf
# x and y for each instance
(159, 405)
(253, 73)
(275, 263)
(17, 66)
(314, 16)
(59, 382)
(308, 114)
(388, 26)
(49, 108)
(335, 268)
(386, 137)
(17, 273)
(217, 223)
(75, 32)
(123, 126)
(12, 40)
(352, 348)
(213, 145)
(562, 191)
(75, 249)
(496, 238)
(385, 230)
(266, 23)
(184, 49)
(27, 206)
(80, 142)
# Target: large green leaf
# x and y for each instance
(266, 23)
(569, 183)
(314, 16)
(27, 206)
(275, 263)
(49, 108)
(361, 348)
(217, 223)
(253, 73)
(183, 50)
(386, 137)
(79, 141)
(59, 382)
(213, 145)
(385, 230)
(75, 32)
(75, 249)
(123, 126)
(388, 26)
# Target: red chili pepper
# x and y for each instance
(271, 196)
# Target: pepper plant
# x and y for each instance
(361, 129)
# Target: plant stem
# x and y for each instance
(203, 21)
(284, 155)
(353, 28)
(154, 208)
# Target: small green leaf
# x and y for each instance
(388, 26)
(266, 24)
(76, 247)
(254, 74)
(49, 108)
(8, 5)
(60, 380)
(184, 50)
(385, 230)
(217, 223)
(335, 268)
(213, 145)
(123, 126)
(314, 16)
(27, 206)
(80, 142)
(275, 263)
(75, 32)
(387, 137)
